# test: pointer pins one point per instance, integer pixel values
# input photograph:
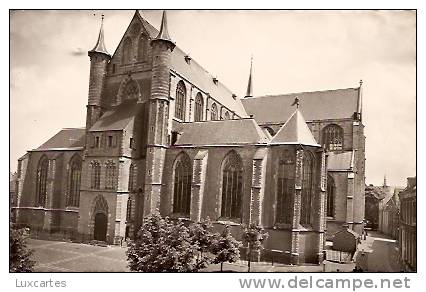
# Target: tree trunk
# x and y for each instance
(249, 260)
(221, 266)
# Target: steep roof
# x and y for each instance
(118, 117)
(223, 132)
(199, 76)
(340, 161)
(294, 131)
(68, 138)
(100, 43)
(316, 105)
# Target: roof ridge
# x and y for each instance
(283, 94)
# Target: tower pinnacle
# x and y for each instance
(249, 92)
(100, 44)
(163, 35)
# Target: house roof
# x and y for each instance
(65, 139)
(316, 105)
(339, 161)
(220, 133)
(294, 131)
(118, 117)
(199, 76)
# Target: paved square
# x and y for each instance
(57, 256)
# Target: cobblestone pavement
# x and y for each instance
(378, 253)
(58, 256)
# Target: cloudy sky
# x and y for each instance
(293, 51)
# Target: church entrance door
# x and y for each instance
(101, 222)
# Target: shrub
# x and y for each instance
(19, 254)
(225, 248)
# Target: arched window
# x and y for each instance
(142, 48)
(127, 51)
(110, 175)
(331, 190)
(95, 175)
(199, 104)
(42, 170)
(227, 117)
(307, 186)
(232, 186)
(213, 112)
(332, 137)
(131, 90)
(133, 173)
(74, 182)
(180, 101)
(182, 185)
(129, 213)
(285, 187)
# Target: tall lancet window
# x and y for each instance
(142, 48)
(307, 187)
(133, 173)
(110, 175)
(182, 185)
(232, 186)
(199, 104)
(74, 182)
(332, 137)
(41, 187)
(95, 180)
(180, 101)
(213, 112)
(285, 187)
(331, 189)
(127, 51)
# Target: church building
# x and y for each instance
(164, 135)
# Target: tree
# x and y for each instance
(162, 246)
(19, 254)
(225, 248)
(254, 236)
(201, 238)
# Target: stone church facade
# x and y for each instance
(162, 134)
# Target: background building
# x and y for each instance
(408, 226)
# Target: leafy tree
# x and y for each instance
(162, 246)
(19, 254)
(225, 248)
(201, 238)
(254, 236)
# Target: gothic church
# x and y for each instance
(162, 134)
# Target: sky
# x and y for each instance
(293, 51)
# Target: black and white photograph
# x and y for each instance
(224, 141)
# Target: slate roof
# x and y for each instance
(316, 105)
(217, 133)
(339, 161)
(198, 76)
(294, 131)
(69, 138)
(118, 117)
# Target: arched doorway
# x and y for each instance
(101, 223)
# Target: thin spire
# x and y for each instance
(164, 32)
(385, 182)
(100, 44)
(249, 92)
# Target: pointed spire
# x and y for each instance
(385, 182)
(163, 35)
(249, 92)
(100, 44)
(359, 102)
(295, 132)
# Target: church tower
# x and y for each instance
(249, 92)
(157, 141)
(99, 58)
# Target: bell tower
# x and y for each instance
(99, 58)
(157, 141)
